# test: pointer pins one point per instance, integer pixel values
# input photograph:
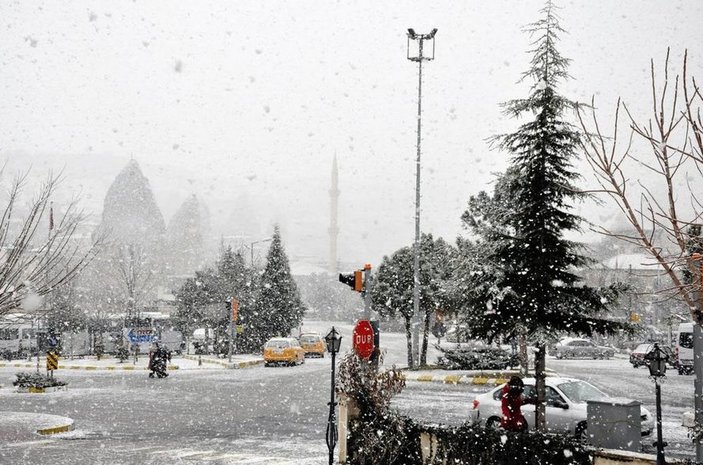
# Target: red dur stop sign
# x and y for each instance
(362, 339)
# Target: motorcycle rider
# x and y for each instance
(158, 358)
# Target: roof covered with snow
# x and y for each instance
(635, 261)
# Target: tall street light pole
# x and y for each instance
(251, 249)
(419, 57)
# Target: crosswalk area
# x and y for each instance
(158, 454)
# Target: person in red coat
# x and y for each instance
(511, 400)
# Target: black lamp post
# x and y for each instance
(333, 340)
(657, 359)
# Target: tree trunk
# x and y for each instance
(540, 365)
(697, 297)
(409, 338)
(523, 356)
(425, 338)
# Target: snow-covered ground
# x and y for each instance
(209, 414)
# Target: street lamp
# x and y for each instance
(657, 359)
(333, 341)
(251, 248)
(419, 57)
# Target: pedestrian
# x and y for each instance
(152, 357)
(158, 358)
(511, 400)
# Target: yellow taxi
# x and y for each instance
(313, 344)
(283, 351)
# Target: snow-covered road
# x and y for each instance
(263, 415)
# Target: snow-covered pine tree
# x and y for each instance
(198, 302)
(233, 275)
(530, 263)
(65, 314)
(233, 282)
(279, 307)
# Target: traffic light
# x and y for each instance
(354, 280)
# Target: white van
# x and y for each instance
(684, 348)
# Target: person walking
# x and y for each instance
(152, 356)
(511, 401)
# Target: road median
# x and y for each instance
(236, 364)
(472, 377)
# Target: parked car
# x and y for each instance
(283, 350)
(637, 355)
(313, 344)
(565, 406)
(581, 348)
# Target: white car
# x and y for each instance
(581, 348)
(565, 406)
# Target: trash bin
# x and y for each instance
(615, 424)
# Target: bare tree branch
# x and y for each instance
(30, 265)
(673, 136)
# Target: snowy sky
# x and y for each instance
(252, 99)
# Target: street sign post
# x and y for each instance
(52, 362)
(363, 339)
(141, 335)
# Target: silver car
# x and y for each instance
(565, 406)
(581, 348)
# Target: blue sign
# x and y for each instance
(140, 336)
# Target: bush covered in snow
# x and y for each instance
(462, 357)
(380, 435)
(473, 445)
(36, 380)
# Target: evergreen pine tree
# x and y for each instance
(529, 284)
(233, 282)
(199, 303)
(233, 275)
(279, 307)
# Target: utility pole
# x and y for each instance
(367, 291)
(419, 58)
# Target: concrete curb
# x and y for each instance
(457, 379)
(86, 367)
(226, 364)
(55, 429)
(41, 390)
(488, 378)
(21, 425)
